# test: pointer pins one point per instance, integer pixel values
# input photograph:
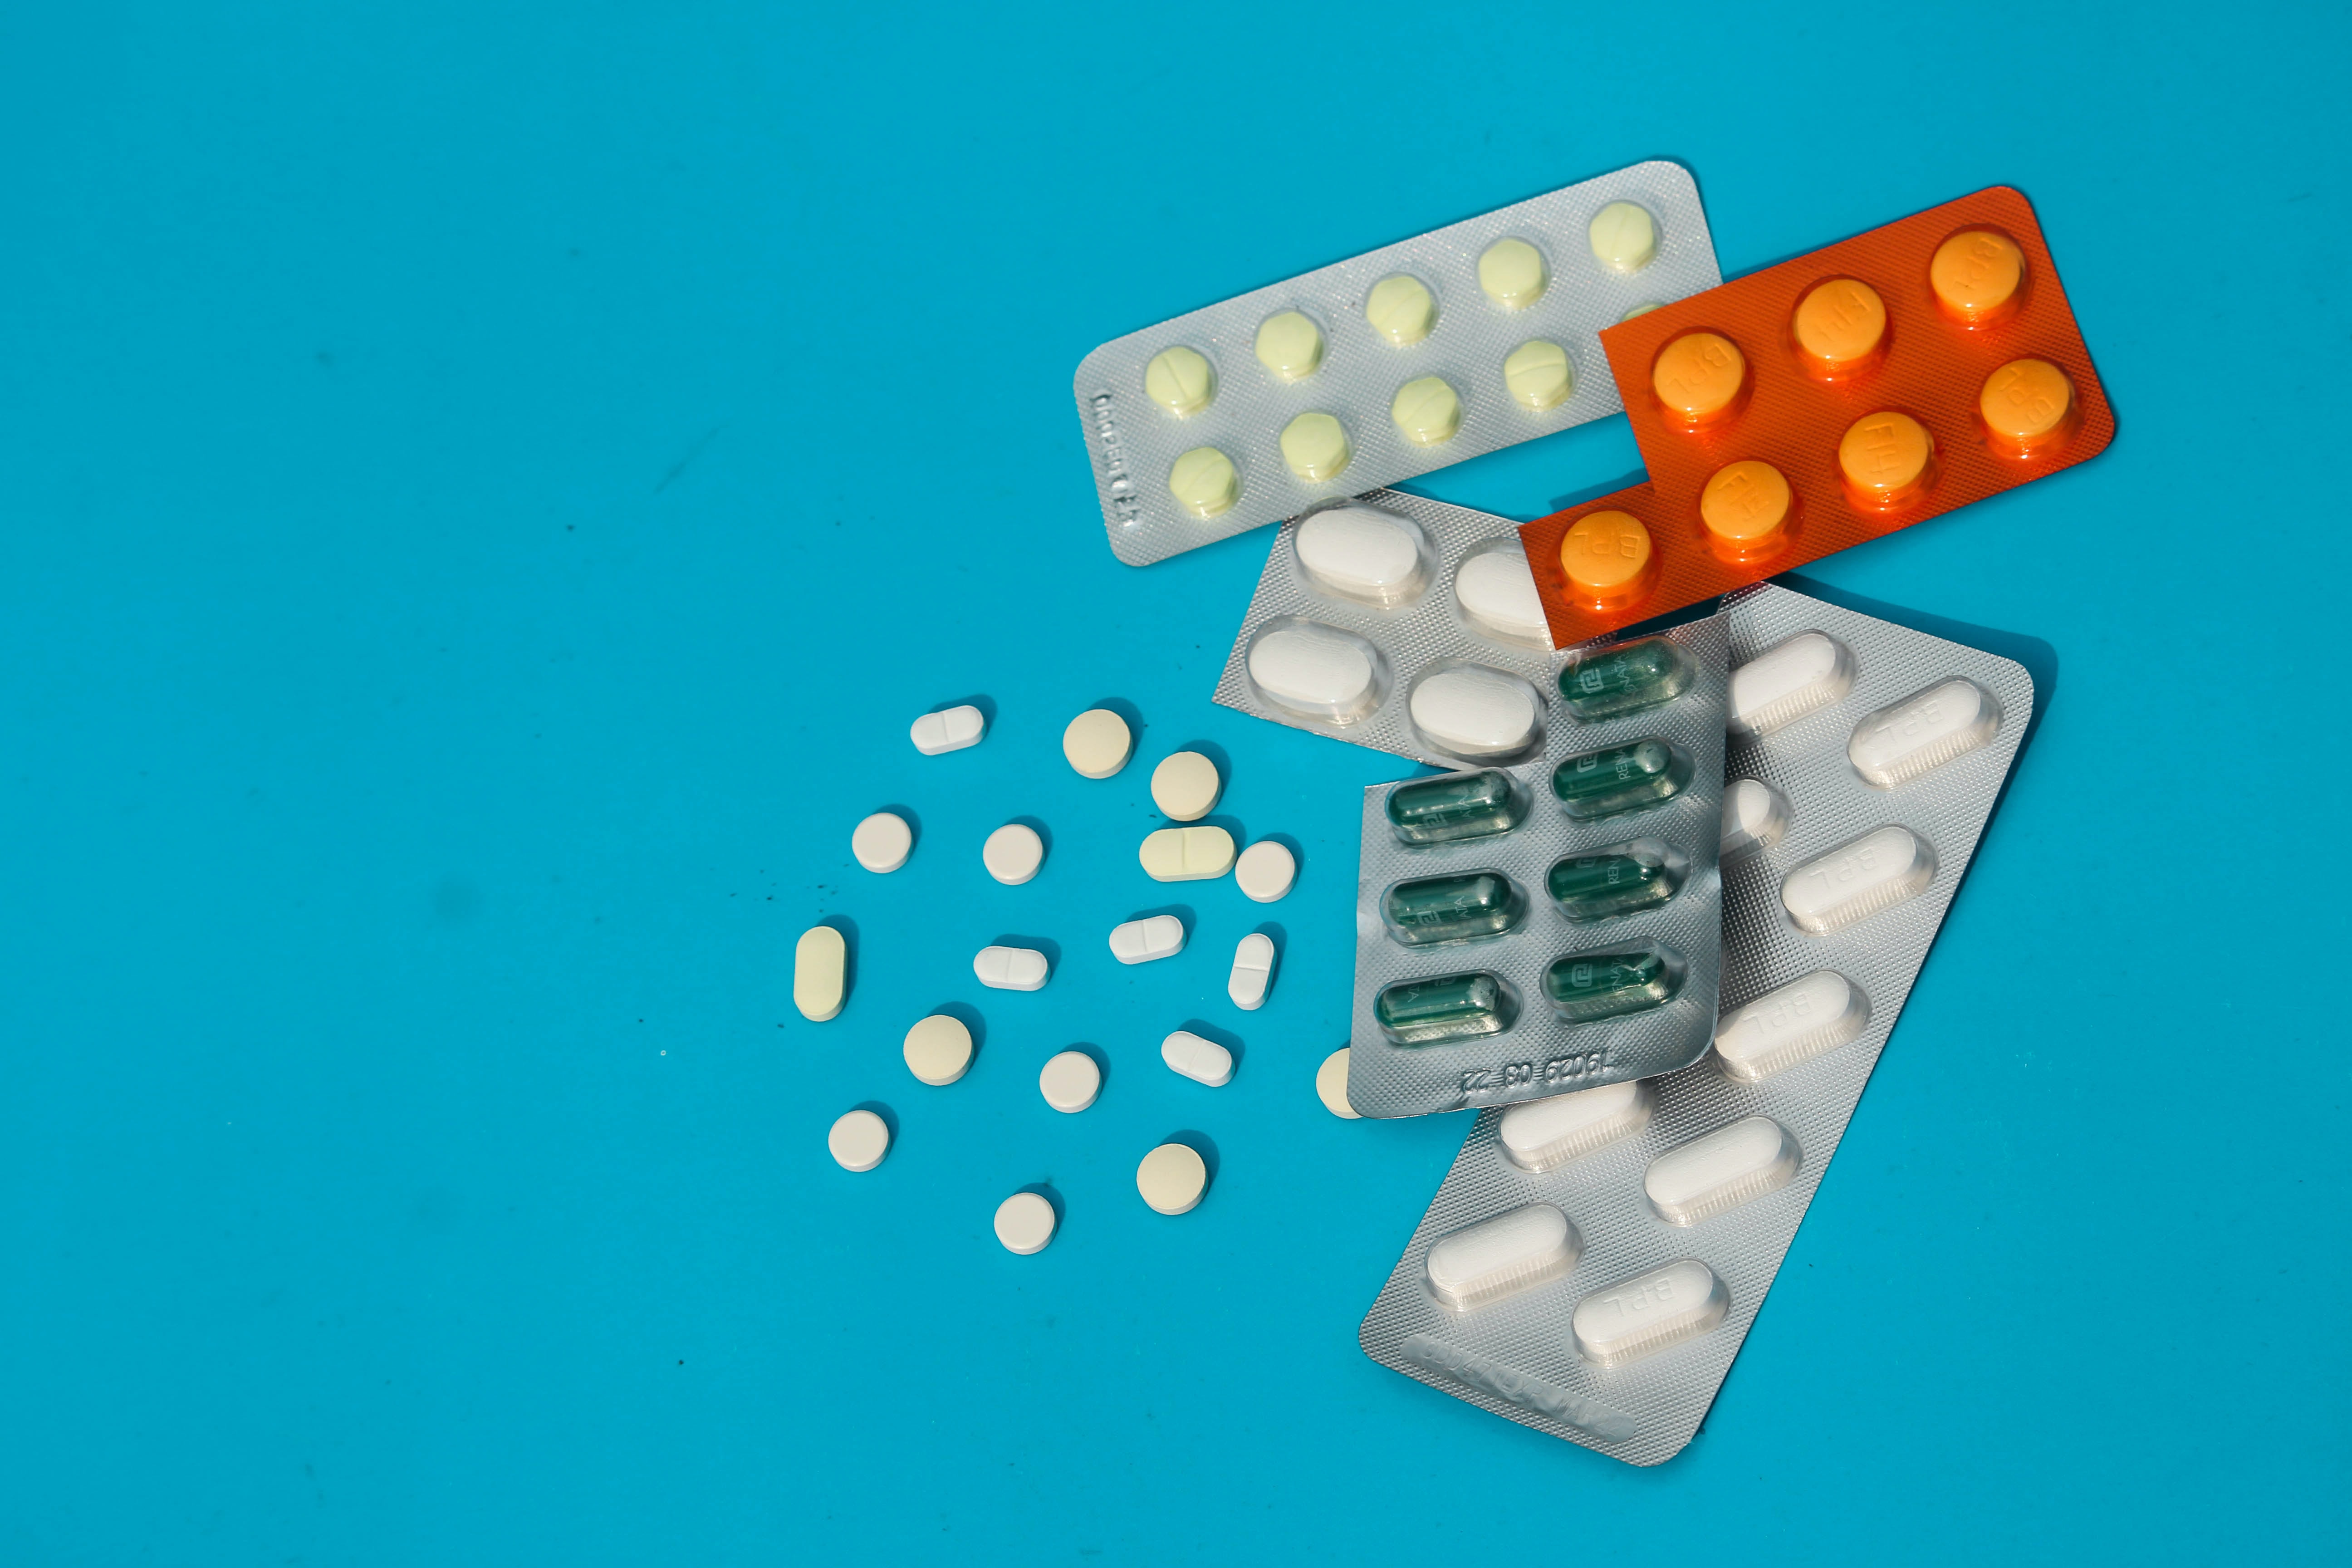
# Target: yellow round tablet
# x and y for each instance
(1538, 374)
(1205, 482)
(1315, 445)
(1888, 457)
(1180, 381)
(1746, 504)
(1511, 271)
(1401, 310)
(938, 1049)
(1097, 743)
(1841, 326)
(1979, 276)
(1427, 411)
(1605, 554)
(1185, 785)
(1624, 237)
(1173, 1178)
(1331, 1085)
(1289, 345)
(2027, 405)
(1698, 377)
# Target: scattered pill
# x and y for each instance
(1185, 787)
(1316, 671)
(1445, 1008)
(1362, 554)
(1795, 677)
(1010, 968)
(1428, 910)
(820, 967)
(1925, 731)
(1538, 374)
(1289, 345)
(1202, 1061)
(1652, 1311)
(1607, 557)
(1803, 1019)
(1253, 972)
(1024, 1223)
(1264, 872)
(1401, 310)
(1205, 482)
(1730, 1166)
(1699, 378)
(1745, 506)
(1888, 458)
(1585, 987)
(1097, 743)
(858, 1140)
(1623, 237)
(1181, 381)
(1454, 807)
(950, 730)
(1497, 1258)
(1475, 713)
(1881, 868)
(1754, 818)
(1841, 328)
(1186, 854)
(1315, 445)
(1331, 1086)
(1511, 271)
(1426, 411)
(1617, 880)
(1012, 854)
(1140, 941)
(1647, 672)
(1497, 595)
(1978, 276)
(938, 1049)
(882, 842)
(1541, 1135)
(1070, 1081)
(1171, 1179)
(1620, 778)
(2026, 405)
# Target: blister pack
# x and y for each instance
(1529, 930)
(1468, 338)
(1593, 1260)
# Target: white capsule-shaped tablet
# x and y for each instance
(1730, 1166)
(1186, 854)
(1070, 1080)
(1264, 872)
(1012, 854)
(1923, 731)
(1010, 968)
(858, 1140)
(1358, 553)
(1540, 1135)
(1475, 713)
(820, 974)
(1253, 972)
(1754, 818)
(1803, 1019)
(1883, 868)
(1500, 1257)
(1316, 671)
(1140, 941)
(950, 730)
(1498, 596)
(1788, 680)
(882, 842)
(1202, 1061)
(1651, 1312)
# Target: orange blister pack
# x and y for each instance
(1826, 400)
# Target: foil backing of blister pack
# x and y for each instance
(1542, 1054)
(1519, 1357)
(1133, 443)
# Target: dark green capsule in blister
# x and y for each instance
(1455, 806)
(1622, 778)
(1626, 679)
(1614, 881)
(1430, 909)
(1448, 1007)
(1584, 986)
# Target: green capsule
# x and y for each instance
(1622, 778)
(1626, 677)
(1455, 806)
(1430, 910)
(1584, 986)
(1449, 1007)
(1614, 881)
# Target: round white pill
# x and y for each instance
(1070, 1082)
(1360, 553)
(1474, 714)
(1097, 743)
(1498, 593)
(1024, 1223)
(938, 1049)
(1264, 872)
(1317, 672)
(1171, 1179)
(882, 842)
(1201, 1060)
(1012, 854)
(858, 1140)
(1624, 237)
(1185, 787)
(1331, 1085)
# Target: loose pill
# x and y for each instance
(1607, 557)
(2027, 406)
(1626, 679)
(1745, 507)
(1205, 482)
(1620, 778)
(1253, 972)
(1881, 868)
(1617, 880)
(1010, 968)
(1454, 807)
(1841, 328)
(1289, 345)
(1539, 374)
(938, 1049)
(1623, 237)
(882, 842)
(1807, 1017)
(1888, 458)
(1427, 910)
(1978, 276)
(1795, 677)
(1754, 818)
(1331, 1086)
(1185, 785)
(1361, 553)
(1025, 1223)
(1098, 743)
(1585, 987)
(1651, 1312)
(1699, 378)
(1511, 271)
(1445, 1008)
(1202, 1061)
(1012, 854)
(1427, 411)
(1315, 445)
(1171, 1179)
(1070, 1080)
(1730, 1166)
(1926, 730)
(1500, 1257)
(1316, 671)
(950, 730)
(1187, 853)
(1498, 596)
(1140, 941)
(1540, 1135)
(820, 965)
(1181, 381)
(1401, 310)
(1264, 872)
(1475, 713)
(858, 1140)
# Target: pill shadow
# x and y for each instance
(1044, 835)
(1595, 493)
(889, 1118)
(907, 815)
(1045, 944)
(848, 930)
(987, 706)
(1224, 1037)
(1203, 1145)
(1665, 622)
(1045, 1190)
(967, 1014)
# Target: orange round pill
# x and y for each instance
(1699, 378)
(1977, 275)
(1606, 555)
(2026, 406)
(1841, 327)
(1888, 458)
(1745, 506)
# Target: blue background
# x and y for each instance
(483, 492)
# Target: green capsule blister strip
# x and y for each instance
(1430, 910)
(1455, 806)
(1626, 679)
(1622, 778)
(1614, 881)
(1449, 1007)
(1586, 986)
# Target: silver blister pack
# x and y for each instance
(1334, 362)
(1592, 1262)
(1645, 973)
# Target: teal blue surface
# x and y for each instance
(483, 492)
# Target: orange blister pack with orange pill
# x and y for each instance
(1825, 402)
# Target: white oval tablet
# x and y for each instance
(1543, 1134)
(1730, 1166)
(1331, 1086)
(1070, 1082)
(882, 842)
(1185, 785)
(1754, 818)
(820, 970)
(1803, 1019)
(1024, 1223)
(1925, 731)
(1372, 557)
(1202, 1061)
(1650, 1312)
(1097, 743)
(1875, 871)
(858, 1140)
(1498, 593)
(952, 730)
(1500, 1257)
(1010, 968)
(1186, 854)
(1012, 854)
(1140, 941)
(1171, 1179)
(1253, 972)
(1264, 872)
(1788, 680)
(1475, 713)
(1316, 671)
(938, 1049)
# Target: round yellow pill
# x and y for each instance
(1888, 458)
(1841, 326)
(1205, 482)
(1180, 381)
(1624, 237)
(1744, 505)
(1427, 411)
(1606, 555)
(1538, 374)
(1401, 310)
(1512, 273)
(1315, 445)
(1698, 377)
(1977, 275)
(1290, 346)
(2027, 405)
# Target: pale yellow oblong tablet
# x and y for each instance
(1401, 310)
(1181, 381)
(1289, 345)
(1624, 237)
(819, 970)
(1314, 444)
(1427, 411)
(1205, 482)
(1187, 853)
(1511, 271)
(1097, 743)
(1171, 1179)
(1185, 785)
(1538, 374)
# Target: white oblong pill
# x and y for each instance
(1097, 743)
(1331, 1086)
(1010, 968)
(1186, 854)
(858, 1140)
(1501, 1257)
(1923, 731)
(1754, 818)
(1253, 972)
(1316, 671)
(1541, 1135)
(1173, 1178)
(1881, 868)
(882, 842)
(1650, 1312)
(938, 1049)
(1788, 680)
(1070, 1081)
(1025, 1223)
(1730, 1166)
(1360, 553)
(1012, 854)
(1807, 1017)
(1476, 713)
(820, 974)
(1498, 593)
(1140, 941)
(1185, 785)
(950, 730)
(1264, 872)
(1202, 1061)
